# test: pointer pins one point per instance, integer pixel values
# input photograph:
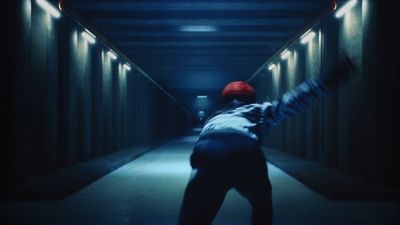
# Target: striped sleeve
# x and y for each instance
(293, 102)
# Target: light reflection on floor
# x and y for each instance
(149, 190)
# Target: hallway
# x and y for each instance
(149, 189)
(102, 97)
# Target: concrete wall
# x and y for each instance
(338, 131)
(73, 102)
(384, 99)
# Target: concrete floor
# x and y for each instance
(149, 190)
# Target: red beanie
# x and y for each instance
(238, 88)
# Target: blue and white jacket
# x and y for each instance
(239, 126)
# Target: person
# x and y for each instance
(228, 151)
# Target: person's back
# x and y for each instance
(228, 152)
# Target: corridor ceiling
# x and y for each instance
(194, 48)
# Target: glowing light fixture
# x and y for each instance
(89, 37)
(285, 54)
(60, 5)
(127, 67)
(49, 8)
(91, 34)
(271, 67)
(201, 113)
(198, 28)
(334, 7)
(345, 8)
(112, 55)
(308, 36)
(202, 96)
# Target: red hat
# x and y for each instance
(238, 88)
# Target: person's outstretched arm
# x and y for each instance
(296, 100)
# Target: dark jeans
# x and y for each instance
(206, 190)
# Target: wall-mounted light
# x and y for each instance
(49, 8)
(89, 37)
(60, 5)
(127, 67)
(202, 97)
(112, 55)
(198, 28)
(345, 8)
(271, 67)
(285, 54)
(308, 36)
(334, 6)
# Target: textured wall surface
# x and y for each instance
(333, 131)
(73, 102)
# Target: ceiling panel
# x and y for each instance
(195, 47)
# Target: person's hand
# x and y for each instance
(341, 71)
